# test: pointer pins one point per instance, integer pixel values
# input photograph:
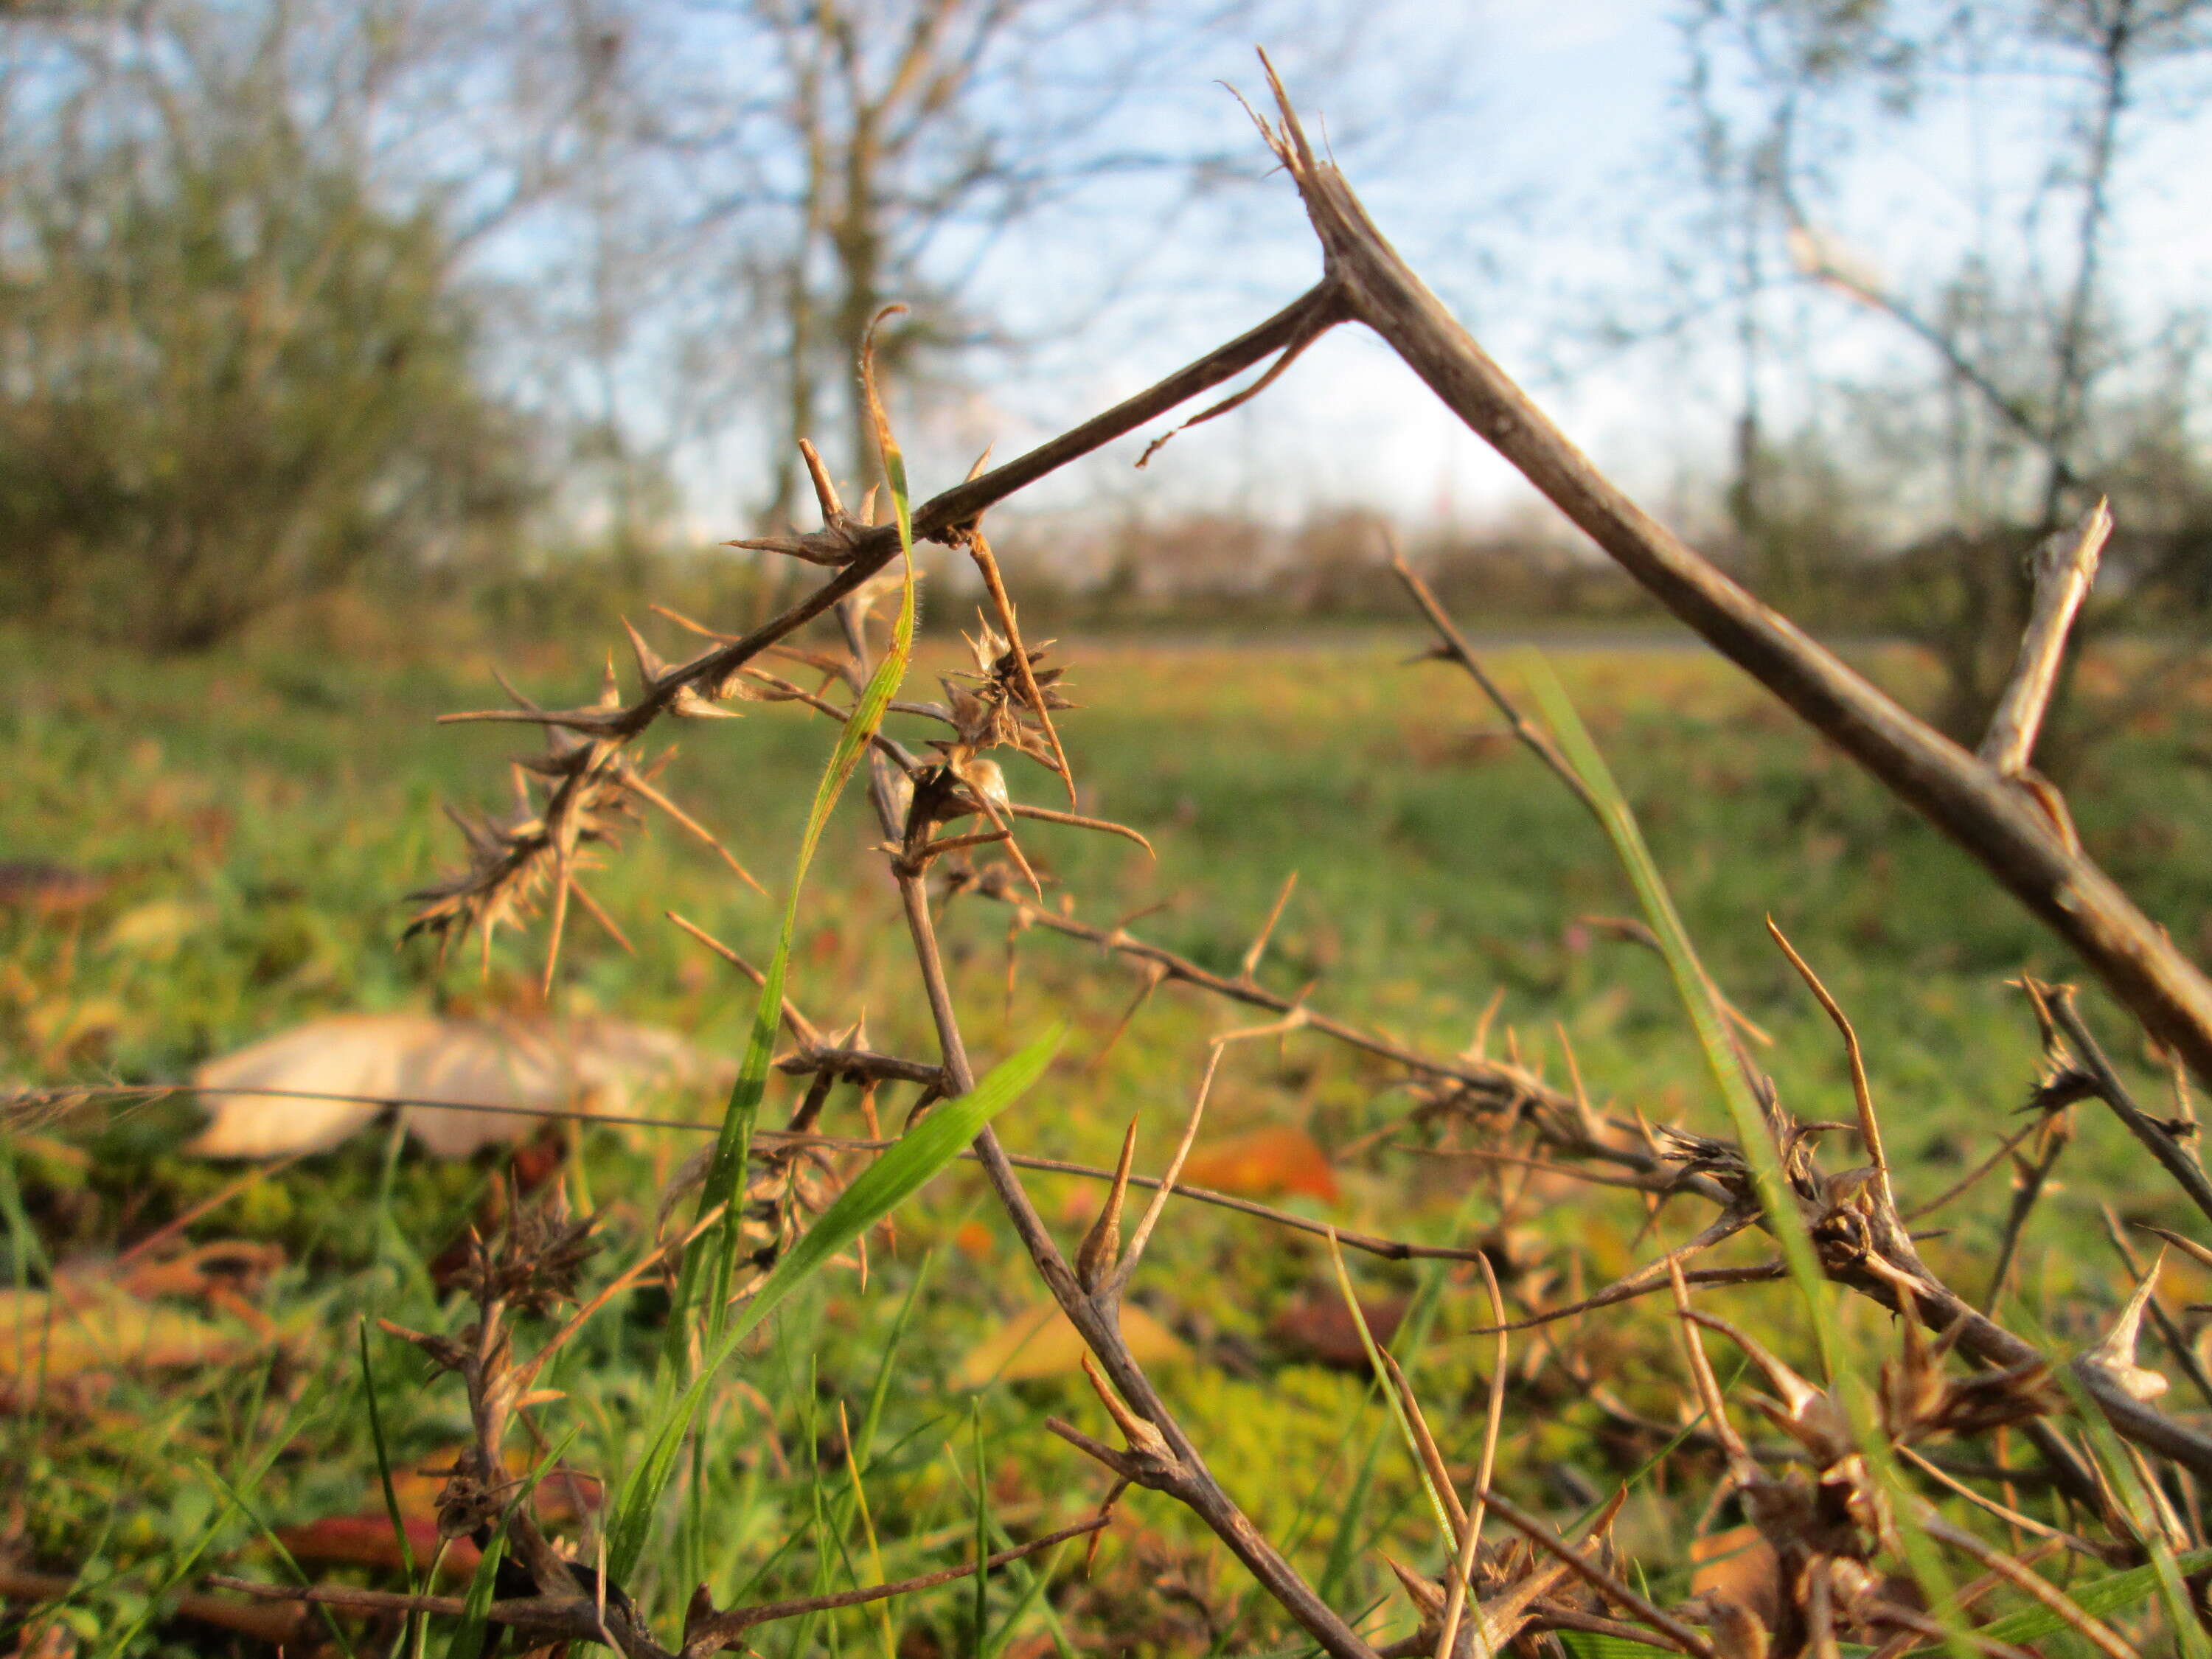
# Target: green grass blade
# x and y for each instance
(864, 1444)
(2114, 1593)
(468, 1638)
(726, 1172)
(269, 1535)
(2119, 1471)
(1701, 1001)
(1436, 1505)
(384, 1461)
(1692, 983)
(982, 1578)
(895, 1176)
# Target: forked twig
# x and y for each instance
(2064, 568)
(1984, 812)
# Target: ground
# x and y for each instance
(252, 822)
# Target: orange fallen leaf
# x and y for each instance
(1040, 1342)
(95, 1328)
(1264, 1162)
(366, 1540)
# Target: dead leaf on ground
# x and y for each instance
(90, 1330)
(1040, 1342)
(365, 1539)
(157, 929)
(600, 1065)
(1264, 1162)
(49, 890)
(1319, 1326)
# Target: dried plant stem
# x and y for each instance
(1683, 1636)
(2012, 1517)
(2094, 1630)
(987, 565)
(1182, 1472)
(2064, 568)
(1505, 1087)
(1973, 1177)
(1455, 1592)
(837, 1061)
(2175, 1158)
(2176, 1340)
(1452, 646)
(584, 1619)
(1869, 1125)
(1118, 1281)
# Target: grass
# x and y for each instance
(260, 815)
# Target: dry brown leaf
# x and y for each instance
(1319, 1326)
(1040, 1342)
(590, 1065)
(1263, 1163)
(93, 1330)
(365, 1539)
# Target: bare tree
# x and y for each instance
(2049, 392)
(812, 160)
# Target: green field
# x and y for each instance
(259, 817)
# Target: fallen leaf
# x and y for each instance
(1320, 1327)
(365, 1539)
(598, 1066)
(225, 1266)
(49, 890)
(1040, 1342)
(155, 929)
(90, 1329)
(1263, 1163)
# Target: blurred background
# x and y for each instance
(513, 311)
(353, 353)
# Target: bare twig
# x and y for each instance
(1985, 813)
(2153, 1134)
(2064, 567)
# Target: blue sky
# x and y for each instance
(1528, 156)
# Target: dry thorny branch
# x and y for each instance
(1855, 1515)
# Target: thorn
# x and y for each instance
(1145, 1440)
(1479, 1049)
(1113, 1497)
(2115, 1355)
(825, 492)
(1267, 928)
(1427, 1598)
(649, 664)
(1102, 1245)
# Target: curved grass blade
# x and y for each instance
(726, 1173)
(384, 1463)
(895, 1176)
(1701, 1000)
